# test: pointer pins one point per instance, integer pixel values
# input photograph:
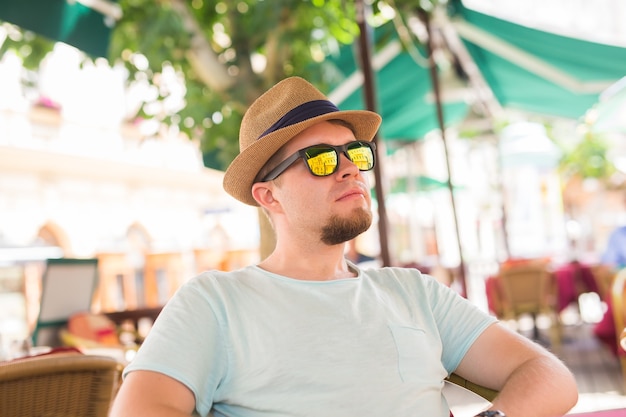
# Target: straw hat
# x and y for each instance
(276, 117)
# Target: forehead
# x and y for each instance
(335, 132)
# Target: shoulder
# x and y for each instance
(214, 287)
(408, 280)
(398, 274)
(216, 278)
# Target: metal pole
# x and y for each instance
(370, 103)
(435, 82)
(490, 105)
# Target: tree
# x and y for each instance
(230, 53)
(227, 52)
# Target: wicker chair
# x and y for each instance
(58, 385)
(487, 393)
(618, 305)
(531, 289)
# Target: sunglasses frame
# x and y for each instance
(343, 149)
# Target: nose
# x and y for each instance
(346, 166)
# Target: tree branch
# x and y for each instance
(201, 56)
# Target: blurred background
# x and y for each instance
(503, 134)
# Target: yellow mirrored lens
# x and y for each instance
(361, 157)
(323, 163)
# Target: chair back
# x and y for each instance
(618, 305)
(68, 286)
(58, 385)
(527, 289)
(603, 276)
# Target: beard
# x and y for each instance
(342, 229)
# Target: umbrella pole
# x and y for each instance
(423, 15)
(490, 106)
(370, 102)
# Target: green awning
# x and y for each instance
(420, 183)
(609, 114)
(403, 88)
(71, 22)
(527, 69)
(538, 71)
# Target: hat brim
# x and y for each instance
(240, 175)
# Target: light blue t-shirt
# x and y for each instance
(250, 343)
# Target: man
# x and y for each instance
(305, 332)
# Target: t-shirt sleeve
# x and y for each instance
(459, 322)
(185, 343)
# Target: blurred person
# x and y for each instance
(305, 332)
(614, 254)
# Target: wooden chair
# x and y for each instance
(162, 277)
(131, 319)
(530, 289)
(117, 287)
(603, 276)
(58, 384)
(618, 304)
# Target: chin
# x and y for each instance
(363, 211)
(361, 218)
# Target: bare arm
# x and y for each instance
(532, 381)
(151, 394)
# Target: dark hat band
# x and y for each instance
(301, 113)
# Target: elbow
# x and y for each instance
(565, 389)
(571, 396)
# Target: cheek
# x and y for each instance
(368, 178)
(301, 194)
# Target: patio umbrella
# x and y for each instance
(84, 24)
(531, 70)
(538, 71)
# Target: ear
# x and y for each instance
(263, 194)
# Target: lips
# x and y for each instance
(351, 193)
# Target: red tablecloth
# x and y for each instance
(572, 280)
(605, 329)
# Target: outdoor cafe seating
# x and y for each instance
(72, 364)
(58, 384)
(526, 288)
(561, 287)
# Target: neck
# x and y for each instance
(321, 263)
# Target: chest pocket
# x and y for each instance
(419, 356)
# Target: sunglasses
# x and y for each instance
(323, 160)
